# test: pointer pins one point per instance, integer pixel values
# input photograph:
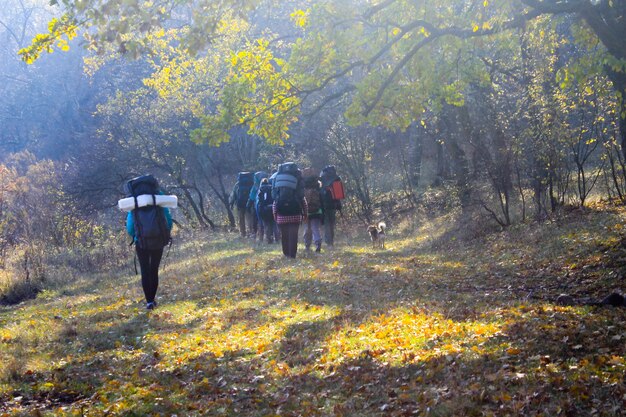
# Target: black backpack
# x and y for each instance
(145, 184)
(289, 168)
(245, 181)
(288, 189)
(265, 202)
(151, 231)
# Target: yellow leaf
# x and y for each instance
(475, 28)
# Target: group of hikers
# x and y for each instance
(272, 207)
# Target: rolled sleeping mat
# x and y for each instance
(128, 204)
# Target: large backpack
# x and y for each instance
(258, 176)
(245, 181)
(312, 194)
(145, 184)
(151, 231)
(313, 200)
(333, 187)
(288, 189)
(265, 202)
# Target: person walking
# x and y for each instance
(290, 206)
(150, 228)
(331, 203)
(239, 197)
(312, 194)
(264, 209)
(276, 230)
(255, 223)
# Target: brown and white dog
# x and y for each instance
(377, 234)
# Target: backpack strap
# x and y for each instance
(137, 223)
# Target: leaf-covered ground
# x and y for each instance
(429, 327)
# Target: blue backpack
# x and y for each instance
(258, 176)
(151, 231)
(245, 181)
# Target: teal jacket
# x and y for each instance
(130, 222)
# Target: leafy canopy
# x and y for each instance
(391, 60)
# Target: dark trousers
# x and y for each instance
(268, 227)
(253, 222)
(289, 238)
(241, 216)
(149, 261)
(330, 219)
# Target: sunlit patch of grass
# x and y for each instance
(362, 250)
(403, 336)
(178, 313)
(409, 243)
(247, 328)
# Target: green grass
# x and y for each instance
(426, 327)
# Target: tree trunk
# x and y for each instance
(619, 83)
(194, 206)
(459, 157)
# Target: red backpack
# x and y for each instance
(332, 183)
(336, 190)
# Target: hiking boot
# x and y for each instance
(151, 305)
(318, 248)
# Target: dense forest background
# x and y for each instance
(497, 112)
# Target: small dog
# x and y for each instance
(377, 234)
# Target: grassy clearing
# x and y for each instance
(428, 327)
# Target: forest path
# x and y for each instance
(429, 326)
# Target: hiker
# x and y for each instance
(289, 207)
(313, 196)
(264, 209)
(149, 227)
(271, 179)
(239, 197)
(251, 205)
(332, 194)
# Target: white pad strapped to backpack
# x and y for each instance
(128, 204)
